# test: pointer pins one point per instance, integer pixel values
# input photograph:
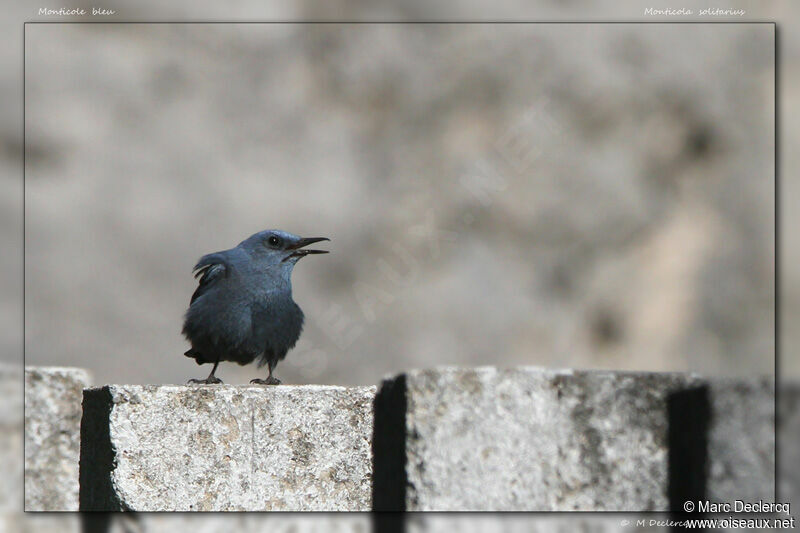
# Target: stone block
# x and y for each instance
(741, 440)
(531, 439)
(789, 435)
(52, 430)
(227, 448)
(11, 426)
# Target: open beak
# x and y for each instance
(300, 251)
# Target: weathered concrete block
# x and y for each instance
(741, 440)
(11, 456)
(220, 448)
(722, 442)
(532, 439)
(11, 438)
(52, 429)
(527, 439)
(789, 434)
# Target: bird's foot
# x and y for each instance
(210, 380)
(269, 381)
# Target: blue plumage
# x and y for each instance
(242, 310)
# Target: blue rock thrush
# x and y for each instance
(243, 309)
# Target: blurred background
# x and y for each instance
(567, 195)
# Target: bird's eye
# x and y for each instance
(273, 240)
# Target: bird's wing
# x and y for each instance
(209, 269)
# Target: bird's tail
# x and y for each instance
(194, 354)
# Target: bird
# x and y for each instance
(242, 310)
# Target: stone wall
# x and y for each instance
(445, 439)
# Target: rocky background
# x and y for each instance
(591, 196)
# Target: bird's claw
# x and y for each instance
(269, 381)
(207, 381)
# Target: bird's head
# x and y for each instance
(280, 249)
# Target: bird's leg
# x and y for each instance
(211, 379)
(270, 380)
